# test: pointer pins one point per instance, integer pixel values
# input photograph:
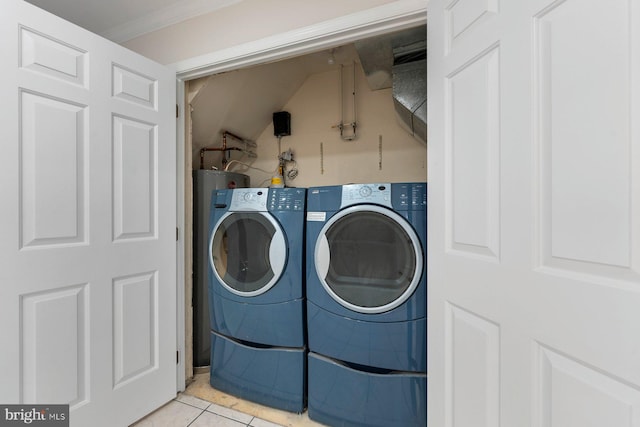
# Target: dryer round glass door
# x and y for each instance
(368, 258)
(247, 252)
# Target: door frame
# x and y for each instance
(395, 16)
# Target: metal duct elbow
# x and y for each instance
(398, 60)
(410, 96)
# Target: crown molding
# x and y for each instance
(161, 18)
(383, 19)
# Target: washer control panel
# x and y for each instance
(287, 199)
(249, 199)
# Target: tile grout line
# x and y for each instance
(215, 413)
(193, 406)
(253, 417)
(194, 420)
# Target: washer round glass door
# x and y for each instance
(368, 258)
(247, 252)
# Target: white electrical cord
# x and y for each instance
(247, 165)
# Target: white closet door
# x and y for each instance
(87, 222)
(534, 213)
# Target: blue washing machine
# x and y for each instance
(367, 304)
(256, 295)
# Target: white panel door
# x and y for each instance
(534, 213)
(87, 222)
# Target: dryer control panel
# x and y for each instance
(410, 196)
(379, 194)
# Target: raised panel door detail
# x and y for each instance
(463, 18)
(472, 144)
(472, 360)
(53, 155)
(81, 173)
(573, 394)
(585, 188)
(135, 326)
(55, 347)
(135, 178)
(52, 58)
(134, 87)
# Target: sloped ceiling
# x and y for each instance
(243, 102)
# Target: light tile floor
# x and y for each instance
(190, 411)
(200, 405)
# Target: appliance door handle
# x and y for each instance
(277, 253)
(323, 257)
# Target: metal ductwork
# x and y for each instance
(399, 61)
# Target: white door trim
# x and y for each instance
(344, 29)
(394, 16)
(181, 375)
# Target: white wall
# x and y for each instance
(314, 109)
(243, 22)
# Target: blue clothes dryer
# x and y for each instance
(367, 304)
(256, 295)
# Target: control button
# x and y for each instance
(365, 191)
